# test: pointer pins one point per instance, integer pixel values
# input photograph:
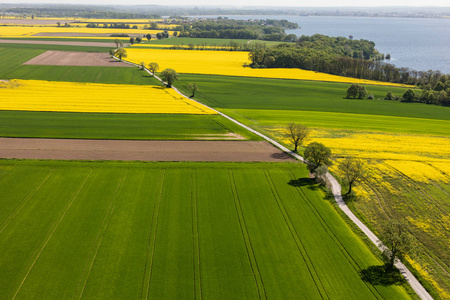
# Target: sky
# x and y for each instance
(240, 3)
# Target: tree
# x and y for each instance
(296, 133)
(356, 90)
(117, 42)
(175, 33)
(148, 36)
(132, 40)
(142, 65)
(138, 40)
(159, 36)
(389, 96)
(439, 86)
(153, 25)
(353, 169)
(112, 52)
(317, 154)
(397, 239)
(408, 96)
(169, 76)
(58, 23)
(120, 53)
(153, 67)
(193, 88)
(352, 91)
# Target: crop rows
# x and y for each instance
(213, 231)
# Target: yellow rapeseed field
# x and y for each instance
(27, 31)
(37, 95)
(408, 178)
(229, 63)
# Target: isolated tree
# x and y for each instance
(169, 76)
(153, 67)
(317, 154)
(397, 239)
(112, 52)
(408, 96)
(121, 53)
(153, 25)
(159, 36)
(389, 96)
(296, 133)
(353, 169)
(356, 91)
(58, 23)
(193, 88)
(117, 42)
(132, 40)
(142, 65)
(148, 36)
(138, 40)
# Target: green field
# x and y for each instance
(171, 231)
(268, 103)
(116, 126)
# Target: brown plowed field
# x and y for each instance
(67, 58)
(64, 43)
(140, 150)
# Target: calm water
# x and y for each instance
(420, 44)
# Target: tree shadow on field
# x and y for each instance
(309, 182)
(382, 275)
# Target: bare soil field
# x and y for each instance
(67, 149)
(64, 43)
(67, 58)
(32, 22)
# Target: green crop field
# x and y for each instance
(171, 231)
(269, 103)
(116, 126)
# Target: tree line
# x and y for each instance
(340, 56)
(271, 30)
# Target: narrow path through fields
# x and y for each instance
(336, 189)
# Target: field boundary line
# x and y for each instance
(153, 234)
(335, 239)
(100, 235)
(50, 232)
(247, 241)
(297, 240)
(336, 190)
(157, 197)
(24, 201)
(195, 239)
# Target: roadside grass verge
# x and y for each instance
(171, 230)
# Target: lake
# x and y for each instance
(421, 44)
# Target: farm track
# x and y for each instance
(152, 243)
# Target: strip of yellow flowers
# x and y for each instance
(230, 63)
(38, 95)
